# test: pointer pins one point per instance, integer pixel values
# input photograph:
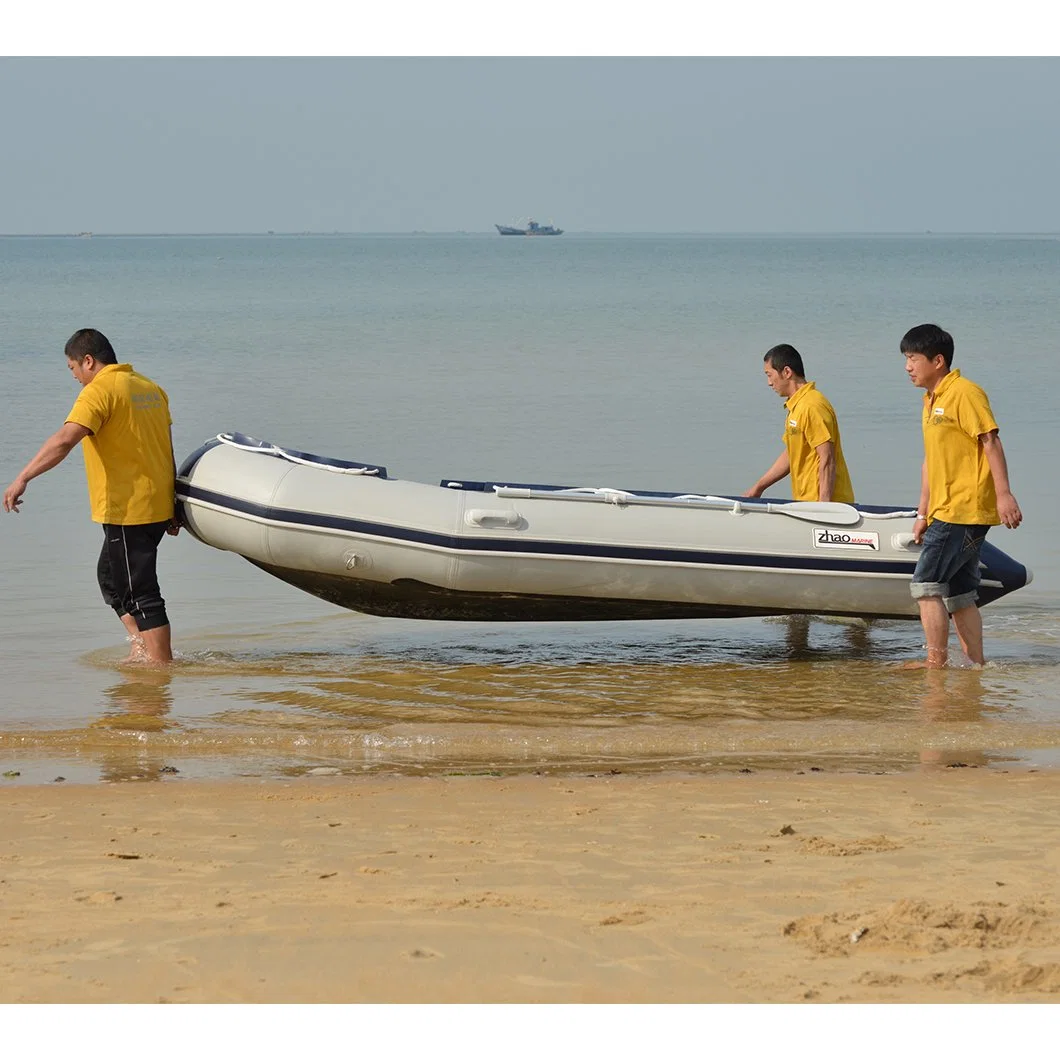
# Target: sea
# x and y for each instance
(629, 361)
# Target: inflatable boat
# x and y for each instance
(513, 551)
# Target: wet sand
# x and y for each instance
(939, 886)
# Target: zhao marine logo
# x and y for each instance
(860, 541)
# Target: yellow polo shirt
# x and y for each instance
(812, 422)
(959, 478)
(128, 455)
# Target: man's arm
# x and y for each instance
(781, 467)
(825, 471)
(922, 505)
(1007, 507)
(174, 524)
(53, 451)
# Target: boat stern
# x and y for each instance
(1000, 574)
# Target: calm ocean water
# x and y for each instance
(632, 362)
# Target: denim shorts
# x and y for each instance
(949, 564)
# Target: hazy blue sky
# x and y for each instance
(597, 144)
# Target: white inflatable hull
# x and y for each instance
(506, 552)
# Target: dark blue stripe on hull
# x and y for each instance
(547, 548)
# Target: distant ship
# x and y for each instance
(532, 229)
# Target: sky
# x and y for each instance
(594, 143)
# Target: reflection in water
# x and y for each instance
(855, 631)
(419, 697)
(140, 702)
(953, 696)
(141, 699)
(123, 764)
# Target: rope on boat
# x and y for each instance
(905, 514)
(275, 450)
(614, 496)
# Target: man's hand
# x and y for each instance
(1007, 508)
(13, 495)
(174, 527)
(920, 526)
(53, 451)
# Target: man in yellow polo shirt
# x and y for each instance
(964, 490)
(813, 452)
(123, 420)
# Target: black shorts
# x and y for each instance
(127, 573)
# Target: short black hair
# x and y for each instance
(89, 341)
(929, 340)
(785, 356)
(86, 341)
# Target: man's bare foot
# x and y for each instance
(158, 651)
(937, 659)
(137, 650)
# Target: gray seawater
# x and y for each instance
(632, 362)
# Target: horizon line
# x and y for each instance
(87, 234)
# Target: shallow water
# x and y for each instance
(628, 362)
(416, 697)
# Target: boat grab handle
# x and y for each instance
(487, 517)
(275, 450)
(903, 541)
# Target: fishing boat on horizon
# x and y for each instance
(532, 229)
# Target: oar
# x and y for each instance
(832, 512)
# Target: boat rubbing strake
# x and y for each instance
(505, 551)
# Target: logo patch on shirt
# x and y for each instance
(858, 540)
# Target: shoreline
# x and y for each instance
(937, 886)
(48, 770)
(38, 764)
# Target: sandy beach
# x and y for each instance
(938, 886)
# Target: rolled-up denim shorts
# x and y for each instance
(949, 564)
